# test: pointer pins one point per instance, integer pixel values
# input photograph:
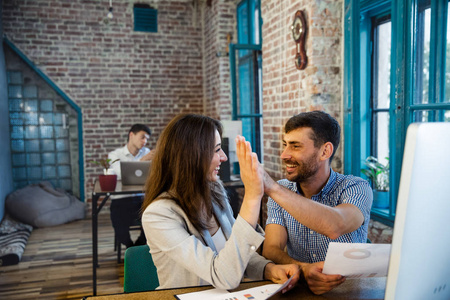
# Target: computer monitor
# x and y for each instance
(419, 266)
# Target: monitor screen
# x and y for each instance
(419, 266)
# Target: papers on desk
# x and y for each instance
(257, 293)
(207, 294)
(262, 292)
(356, 260)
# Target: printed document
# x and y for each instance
(262, 292)
(357, 260)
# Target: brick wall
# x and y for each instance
(119, 77)
(219, 21)
(288, 91)
(114, 73)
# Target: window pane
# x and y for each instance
(19, 173)
(431, 116)
(18, 160)
(242, 23)
(49, 172)
(63, 157)
(47, 145)
(15, 105)
(447, 64)
(31, 105)
(34, 173)
(30, 91)
(383, 65)
(62, 144)
(17, 145)
(33, 159)
(381, 89)
(256, 36)
(64, 171)
(48, 158)
(14, 77)
(423, 56)
(15, 118)
(32, 145)
(31, 118)
(46, 132)
(31, 132)
(46, 118)
(426, 56)
(15, 91)
(382, 131)
(16, 132)
(46, 105)
(65, 184)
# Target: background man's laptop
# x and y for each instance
(134, 172)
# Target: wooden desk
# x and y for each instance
(364, 288)
(96, 208)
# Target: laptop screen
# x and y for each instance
(134, 172)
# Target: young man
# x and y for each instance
(313, 205)
(125, 209)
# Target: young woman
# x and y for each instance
(193, 237)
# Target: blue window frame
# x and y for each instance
(246, 73)
(387, 87)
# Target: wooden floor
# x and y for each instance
(57, 263)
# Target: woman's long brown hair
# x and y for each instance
(181, 164)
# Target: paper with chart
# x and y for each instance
(262, 292)
(207, 294)
(257, 293)
(356, 260)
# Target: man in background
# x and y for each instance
(125, 209)
(314, 205)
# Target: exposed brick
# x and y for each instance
(114, 73)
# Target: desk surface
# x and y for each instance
(364, 288)
(120, 189)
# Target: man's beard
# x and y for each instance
(305, 170)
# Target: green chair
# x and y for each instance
(139, 271)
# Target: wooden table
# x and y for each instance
(96, 208)
(363, 288)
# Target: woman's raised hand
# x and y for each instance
(252, 175)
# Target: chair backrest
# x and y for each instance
(139, 270)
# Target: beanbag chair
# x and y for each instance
(40, 205)
(13, 238)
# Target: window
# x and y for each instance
(376, 34)
(399, 64)
(145, 18)
(246, 73)
(45, 128)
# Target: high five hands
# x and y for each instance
(254, 177)
(252, 173)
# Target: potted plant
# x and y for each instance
(379, 175)
(107, 181)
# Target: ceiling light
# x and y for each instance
(110, 12)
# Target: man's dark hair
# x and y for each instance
(325, 128)
(139, 127)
